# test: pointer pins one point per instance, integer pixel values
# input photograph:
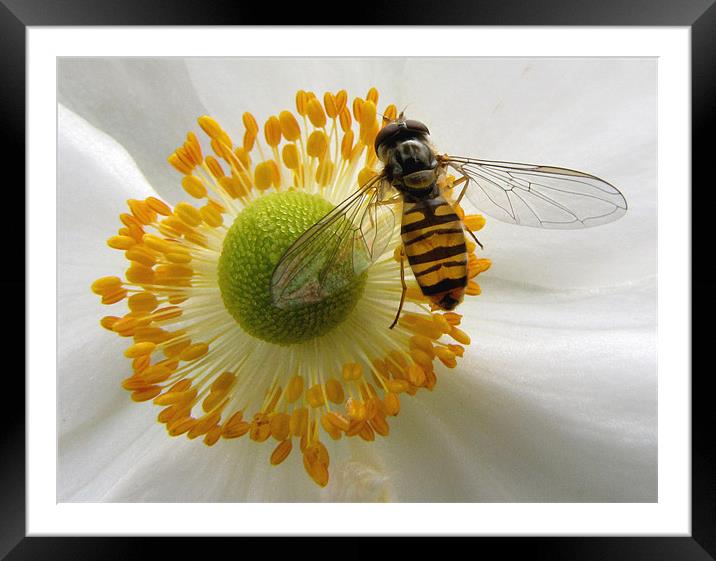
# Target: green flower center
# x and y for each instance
(253, 246)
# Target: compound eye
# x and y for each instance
(385, 133)
(416, 126)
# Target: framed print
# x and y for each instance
(304, 282)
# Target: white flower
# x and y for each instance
(555, 400)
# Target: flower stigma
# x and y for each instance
(205, 340)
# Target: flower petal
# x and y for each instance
(95, 177)
(147, 105)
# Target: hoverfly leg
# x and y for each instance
(391, 201)
(405, 288)
(465, 179)
(474, 238)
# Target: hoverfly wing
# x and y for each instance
(539, 196)
(376, 229)
(329, 254)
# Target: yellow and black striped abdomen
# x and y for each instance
(434, 243)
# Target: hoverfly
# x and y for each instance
(433, 236)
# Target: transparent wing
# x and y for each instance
(539, 196)
(341, 245)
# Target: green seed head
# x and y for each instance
(252, 248)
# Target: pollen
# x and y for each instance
(205, 342)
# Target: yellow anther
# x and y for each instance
(106, 284)
(345, 119)
(477, 266)
(473, 289)
(294, 389)
(315, 460)
(392, 404)
(156, 374)
(250, 123)
(474, 222)
(175, 270)
(460, 336)
(347, 145)
(121, 242)
(214, 167)
(160, 207)
(442, 323)
(314, 396)
(421, 357)
(315, 113)
(243, 157)
(423, 343)
(356, 409)
(178, 257)
(194, 351)
(142, 302)
(209, 126)
(421, 324)
(332, 431)
(193, 148)
(301, 102)
(324, 172)
(329, 101)
(140, 255)
(390, 113)
(367, 115)
(188, 214)
(352, 371)
(317, 144)
(272, 131)
(108, 322)
(260, 428)
(156, 243)
(367, 433)
(146, 394)
(194, 186)
(365, 175)
(211, 216)
(290, 156)
(279, 424)
(357, 108)
(372, 95)
(416, 375)
(139, 349)
(113, 297)
(151, 334)
(299, 421)
(341, 100)
(281, 452)
(164, 314)
(380, 425)
(289, 126)
(334, 391)
(235, 430)
(265, 175)
(141, 210)
(446, 356)
(139, 274)
(452, 318)
(397, 386)
(178, 164)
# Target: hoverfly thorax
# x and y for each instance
(405, 151)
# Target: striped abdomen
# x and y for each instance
(434, 243)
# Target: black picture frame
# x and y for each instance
(698, 15)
